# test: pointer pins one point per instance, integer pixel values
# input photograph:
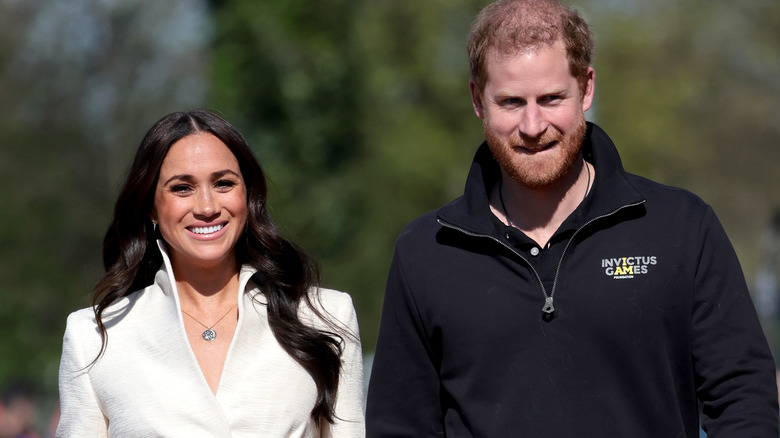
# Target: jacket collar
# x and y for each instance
(165, 281)
(611, 190)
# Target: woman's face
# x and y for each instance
(200, 202)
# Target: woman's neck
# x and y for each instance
(207, 288)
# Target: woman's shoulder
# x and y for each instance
(332, 297)
(81, 340)
(81, 318)
(334, 305)
(85, 318)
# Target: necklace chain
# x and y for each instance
(506, 212)
(209, 334)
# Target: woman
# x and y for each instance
(207, 322)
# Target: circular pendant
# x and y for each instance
(209, 334)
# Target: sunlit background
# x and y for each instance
(360, 113)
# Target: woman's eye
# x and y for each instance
(180, 188)
(224, 184)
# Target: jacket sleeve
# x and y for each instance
(403, 394)
(80, 414)
(734, 369)
(350, 421)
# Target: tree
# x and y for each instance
(691, 94)
(81, 83)
(358, 112)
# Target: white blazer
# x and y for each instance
(148, 382)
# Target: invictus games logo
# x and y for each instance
(627, 267)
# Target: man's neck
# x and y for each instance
(539, 212)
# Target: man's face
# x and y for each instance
(533, 113)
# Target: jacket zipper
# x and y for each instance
(548, 310)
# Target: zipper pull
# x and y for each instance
(548, 311)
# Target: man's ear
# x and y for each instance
(590, 90)
(476, 99)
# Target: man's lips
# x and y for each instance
(538, 147)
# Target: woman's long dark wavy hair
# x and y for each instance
(284, 273)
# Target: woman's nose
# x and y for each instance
(206, 205)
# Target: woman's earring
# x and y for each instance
(154, 225)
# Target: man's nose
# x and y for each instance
(532, 122)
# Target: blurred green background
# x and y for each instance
(360, 113)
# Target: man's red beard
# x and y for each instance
(541, 169)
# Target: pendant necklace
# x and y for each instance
(209, 334)
(548, 310)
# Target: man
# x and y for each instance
(561, 296)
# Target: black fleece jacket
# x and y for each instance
(652, 322)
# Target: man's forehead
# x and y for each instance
(507, 51)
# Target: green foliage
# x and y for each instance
(78, 80)
(690, 92)
(358, 113)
